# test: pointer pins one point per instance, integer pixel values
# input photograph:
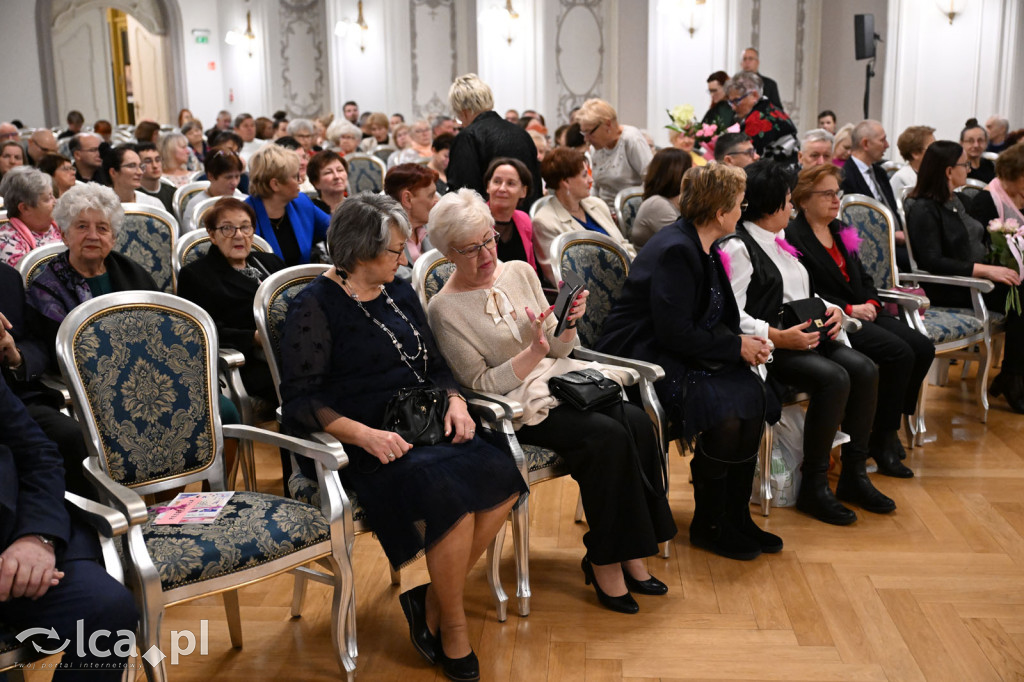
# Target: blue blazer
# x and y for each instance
(308, 222)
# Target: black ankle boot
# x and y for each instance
(886, 452)
(738, 488)
(855, 486)
(712, 528)
(1012, 385)
(816, 499)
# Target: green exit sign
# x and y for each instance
(202, 40)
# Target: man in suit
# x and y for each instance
(49, 576)
(863, 174)
(751, 62)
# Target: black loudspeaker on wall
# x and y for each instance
(864, 35)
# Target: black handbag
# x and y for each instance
(417, 415)
(585, 389)
(798, 312)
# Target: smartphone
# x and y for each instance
(572, 284)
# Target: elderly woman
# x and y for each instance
(662, 183)
(60, 168)
(224, 283)
(974, 140)
(379, 126)
(495, 328)
(285, 217)
(89, 216)
(344, 136)
(193, 132)
(11, 156)
(842, 145)
(903, 355)
(677, 310)
(328, 173)
(912, 144)
(412, 185)
(765, 274)
(621, 154)
(508, 184)
(572, 209)
(949, 240)
(720, 113)
(302, 130)
(338, 375)
(28, 199)
(224, 171)
(767, 126)
(403, 140)
(174, 155)
(485, 136)
(123, 167)
(441, 147)
(419, 140)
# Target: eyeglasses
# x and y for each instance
(90, 149)
(734, 102)
(830, 194)
(590, 132)
(740, 152)
(965, 164)
(474, 250)
(399, 252)
(150, 162)
(229, 230)
(130, 166)
(743, 205)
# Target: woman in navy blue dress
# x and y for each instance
(677, 310)
(353, 338)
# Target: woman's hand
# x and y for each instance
(578, 307)
(457, 418)
(864, 311)
(387, 446)
(540, 346)
(997, 273)
(794, 338)
(835, 322)
(754, 350)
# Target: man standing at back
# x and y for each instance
(751, 62)
(75, 121)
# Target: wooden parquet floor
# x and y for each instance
(934, 591)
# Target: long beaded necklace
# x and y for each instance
(421, 348)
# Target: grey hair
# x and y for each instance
(361, 229)
(339, 127)
(438, 120)
(456, 217)
(84, 197)
(863, 130)
(24, 184)
(469, 93)
(747, 82)
(300, 125)
(191, 125)
(817, 135)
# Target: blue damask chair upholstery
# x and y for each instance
(142, 369)
(627, 203)
(365, 173)
(147, 236)
(35, 261)
(184, 194)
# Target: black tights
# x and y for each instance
(732, 441)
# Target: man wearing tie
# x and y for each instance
(863, 174)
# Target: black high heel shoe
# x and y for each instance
(622, 604)
(465, 669)
(651, 586)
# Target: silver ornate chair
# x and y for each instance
(34, 262)
(971, 188)
(537, 205)
(147, 236)
(184, 194)
(194, 220)
(627, 203)
(194, 245)
(365, 173)
(141, 367)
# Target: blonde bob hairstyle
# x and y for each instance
(706, 190)
(457, 217)
(469, 93)
(595, 111)
(271, 162)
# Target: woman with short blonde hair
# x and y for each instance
(621, 154)
(174, 154)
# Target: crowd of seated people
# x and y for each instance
(722, 240)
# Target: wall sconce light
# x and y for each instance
(689, 13)
(951, 8)
(234, 37)
(502, 17)
(346, 28)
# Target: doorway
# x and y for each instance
(138, 70)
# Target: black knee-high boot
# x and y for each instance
(855, 486)
(713, 528)
(739, 480)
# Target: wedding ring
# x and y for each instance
(810, 347)
(391, 455)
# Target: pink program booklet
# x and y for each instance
(193, 508)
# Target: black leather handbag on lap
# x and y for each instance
(417, 415)
(798, 312)
(585, 389)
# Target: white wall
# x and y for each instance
(205, 93)
(21, 65)
(841, 78)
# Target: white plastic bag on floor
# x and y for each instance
(787, 456)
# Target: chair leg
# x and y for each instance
(922, 436)
(234, 617)
(984, 361)
(494, 576)
(396, 576)
(521, 545)
(149, 636)
(299, 593)
(343, 621)
(764, 461)
(578, 517)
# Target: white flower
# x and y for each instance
(682, 114)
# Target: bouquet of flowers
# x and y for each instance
(1008, 251)
(684, 121)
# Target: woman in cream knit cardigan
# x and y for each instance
(494, 327)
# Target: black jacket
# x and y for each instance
(942, 246)
(854, 183)
(34, 355)
(489, 137)
(770, 89)
(828, 278)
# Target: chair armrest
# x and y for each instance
(638, 368)
(486, 409)
(56, 383)
(905, 299)
(108, 522)
(513, 410)
(851, 324)
(325, 449)
(228, 358)
(982, 285)
(122, 498)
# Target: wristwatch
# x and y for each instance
(46, 540)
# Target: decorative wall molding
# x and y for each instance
(302, 54)
(755, 24)
(793, 105)
(570, 94)
(432, 100)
